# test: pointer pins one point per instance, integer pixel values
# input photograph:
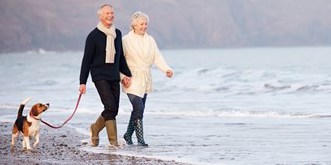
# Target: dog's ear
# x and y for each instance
(34, 110)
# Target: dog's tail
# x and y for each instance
(22, 105)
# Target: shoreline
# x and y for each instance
(62, 147)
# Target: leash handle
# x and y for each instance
(56, 127)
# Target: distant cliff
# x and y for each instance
(63, 24)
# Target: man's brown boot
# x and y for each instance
(112, 132)
(95, 128)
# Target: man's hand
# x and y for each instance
(82, 88)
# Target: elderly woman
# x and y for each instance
(103, 59)
(141, 52)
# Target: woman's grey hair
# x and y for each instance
(136, 16)
(101, 7)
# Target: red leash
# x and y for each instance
(80, 95)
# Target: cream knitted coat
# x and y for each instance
(141, 52)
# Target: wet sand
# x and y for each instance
(61, 146)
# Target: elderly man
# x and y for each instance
(103, 57)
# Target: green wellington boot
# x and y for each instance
(128, 134)
(138, 127)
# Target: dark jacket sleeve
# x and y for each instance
(87, 59)
(123, 65)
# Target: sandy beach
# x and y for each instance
(61, 146)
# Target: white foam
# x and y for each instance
(132, 151)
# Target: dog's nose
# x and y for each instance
(47, 104)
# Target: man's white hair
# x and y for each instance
(101, 7)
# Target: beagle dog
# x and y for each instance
(28, 125)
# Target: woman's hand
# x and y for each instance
(169, 73)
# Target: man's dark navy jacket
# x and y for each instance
(94, 58)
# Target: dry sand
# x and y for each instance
(61, 146)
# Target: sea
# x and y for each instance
(253, 106)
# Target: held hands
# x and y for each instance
(126, 82)
(169, 73)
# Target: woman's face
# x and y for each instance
(140, 27)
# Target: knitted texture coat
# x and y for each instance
(141, 52)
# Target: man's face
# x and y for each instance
(107, 16)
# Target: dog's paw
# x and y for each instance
(35, 145)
